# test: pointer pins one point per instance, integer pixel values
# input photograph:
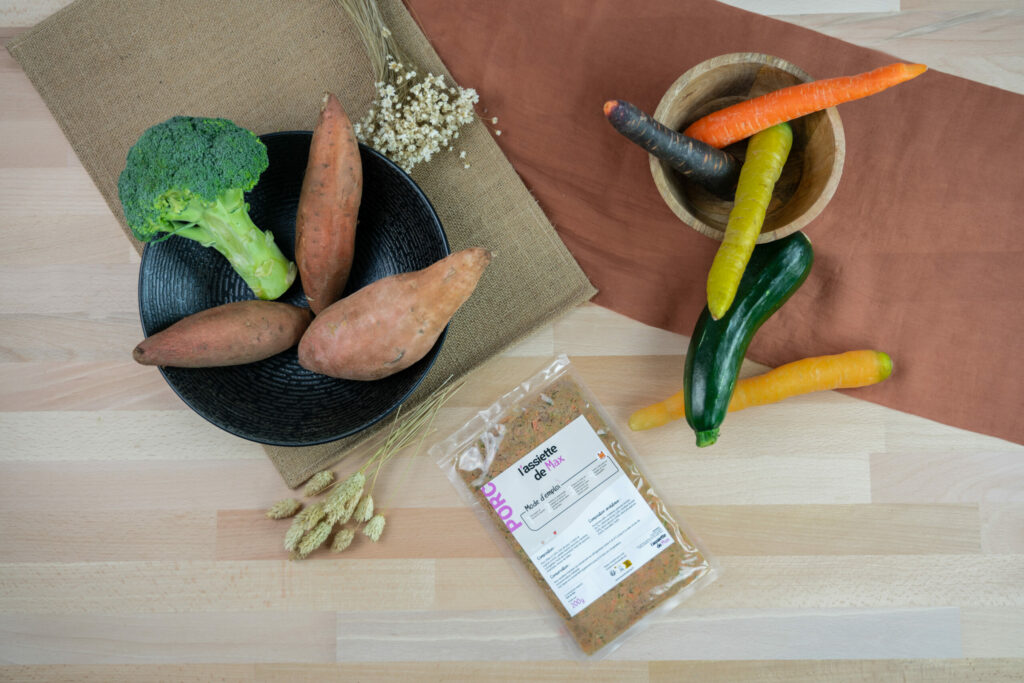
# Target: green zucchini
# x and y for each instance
(717, 347)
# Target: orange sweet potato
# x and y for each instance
(230, 334)
(325, 224)
(390, 324)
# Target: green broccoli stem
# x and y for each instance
(226, 226)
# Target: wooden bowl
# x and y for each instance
(811, 174)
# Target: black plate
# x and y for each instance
(276, 401)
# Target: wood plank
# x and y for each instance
(540, 344)
(122, 588)
(45, 339)
(527, 672)
(811, 671)
(724, 530)
(91, 536)
(785, 7)
(779, 634)
(447, 636)
(96, 291)
(98, 240)
(540, 672)
(29, 144)
(993, 632)
(910, 433)
(690, 635)
(176, 435)
(29, 14)
(842, 671)
(591, 330)
(867, 581)
(764, 480)
(127, 479)
(806, 582)
(27, 190)
(21, 102)
(835, 529)
(1002, 527)
(947, 477)
(135, 485)
(978, 40)
(214, 637)
(103, 385)
(131, 673)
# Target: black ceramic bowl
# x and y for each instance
(276, 401)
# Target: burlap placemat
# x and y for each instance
(108, 69)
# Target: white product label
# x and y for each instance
(577, 515)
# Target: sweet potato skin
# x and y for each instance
(390, 324)
(325, 224)
(230, 334)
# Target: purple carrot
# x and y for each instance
(714, 169)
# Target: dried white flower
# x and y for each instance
(364, 511)
(313, 540)
(294, 535)
(342, 502)
(342, 540)
(284, 508)
(374, 528)
(352, 486)
(411, 127)
(318, 483)
(312, 515)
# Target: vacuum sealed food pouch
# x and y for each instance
(549, 473)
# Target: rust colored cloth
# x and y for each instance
(919, 254)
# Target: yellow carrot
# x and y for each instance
(820, 373)
(743, 119)
(766, 155)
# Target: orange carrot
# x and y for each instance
(743, 119)
(820, 373)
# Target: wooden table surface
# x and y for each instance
(855, 542)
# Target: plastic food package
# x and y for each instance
(549, 474)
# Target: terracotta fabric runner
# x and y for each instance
(920, 253)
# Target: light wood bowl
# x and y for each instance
(811, 174)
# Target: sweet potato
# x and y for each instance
(230, 334)
(325, 224)
(390, 324)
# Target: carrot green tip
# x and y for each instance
(707, 437)
(884, 365)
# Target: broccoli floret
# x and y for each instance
(187, 176)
